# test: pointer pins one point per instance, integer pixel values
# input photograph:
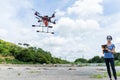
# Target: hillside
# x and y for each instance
(15, 54)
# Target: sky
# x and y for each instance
(81, 29)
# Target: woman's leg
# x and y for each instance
(113, 68)
(108, 67)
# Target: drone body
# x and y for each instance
(44, 22)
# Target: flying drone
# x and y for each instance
(44, 22)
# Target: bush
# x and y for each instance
(80, 60)
(117, 63)
(96, 59)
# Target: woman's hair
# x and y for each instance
(109, 37)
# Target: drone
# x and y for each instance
(44, 22)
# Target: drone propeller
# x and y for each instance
(53, 15)
(36, 12)
(54, 21)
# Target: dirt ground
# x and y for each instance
(50, 73)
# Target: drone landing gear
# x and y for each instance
(37, 26)
(33, 25)
(50, 26)
(52, 33)
(45, 32)
(42, 26)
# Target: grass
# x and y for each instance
(34, 71)
(19, 74)
(12, 61)
(99, 76)
(118, 74)
(104, 75)
(3, 57)
(117, 63)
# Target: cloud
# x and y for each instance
(3, 33)
(86, 7)
(68, 27)
(59, 13)
(10, 21)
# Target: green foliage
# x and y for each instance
(26, 55)
(19, 74)
(99, 76)
(117, 59)
(118, 74)
(80, 60)
(117, 56)
(102, 75)
(117, 63)
(96, 59)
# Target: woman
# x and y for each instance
(109, 57)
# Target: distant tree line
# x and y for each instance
(96, 59)
(12, 53)
(27, 54)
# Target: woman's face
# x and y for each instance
(109, 41)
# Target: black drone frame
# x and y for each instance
(41, 24)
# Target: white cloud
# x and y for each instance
(59, 13)
(3, 33)
(86, 7)
(13, 27)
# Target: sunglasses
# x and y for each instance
(109, 39)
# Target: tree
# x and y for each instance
(28, 54)
(96, 59)
(80, 60)
(117, 56)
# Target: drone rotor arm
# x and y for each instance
(53, 15)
